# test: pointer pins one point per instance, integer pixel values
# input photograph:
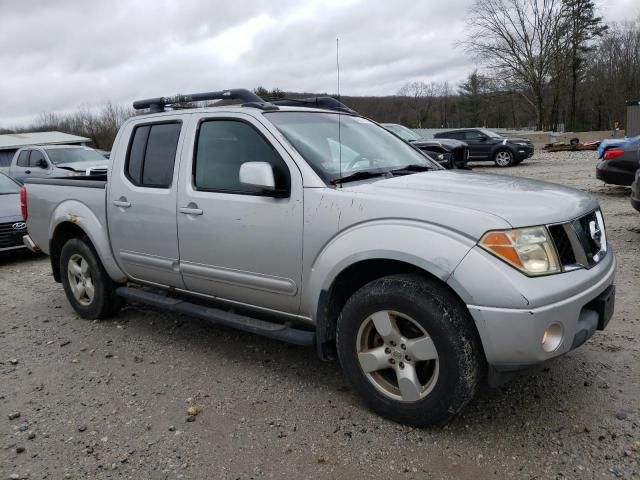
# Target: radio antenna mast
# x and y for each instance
(339, 114)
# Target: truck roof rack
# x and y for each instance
(248, 98)
(329, 103)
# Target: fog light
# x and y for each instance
(552, 337)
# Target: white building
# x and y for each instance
(11, 142)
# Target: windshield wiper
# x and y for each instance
(412, 168)
(361, 175)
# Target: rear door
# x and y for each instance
(237, 243)
(141, 202)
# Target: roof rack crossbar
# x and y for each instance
(317, 102)
(157, 104)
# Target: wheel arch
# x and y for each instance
(73, 220)
(333, 298)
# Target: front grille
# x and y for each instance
(581, 242)
(9, 236)
(563, 245)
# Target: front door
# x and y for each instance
(479, 144)
(142, 201)
(237, 243)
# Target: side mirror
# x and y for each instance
(258, 174)
(42, 163)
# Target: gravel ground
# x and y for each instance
(110, 399)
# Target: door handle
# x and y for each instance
(190, 210)
(122, 203)
(27, 171)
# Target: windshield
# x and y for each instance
(8, 186)
(402, 131)
(73, 155)
(338, 145)
(490, 134)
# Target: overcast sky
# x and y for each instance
(57, 55)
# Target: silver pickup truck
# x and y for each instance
(305, 222)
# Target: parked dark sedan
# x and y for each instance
(635, 191)
(447, 152)
(487, 145)
(618, 164)
(12, 226)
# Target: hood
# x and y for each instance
(82, 166)
(519, 201)
(10, 208)
(448, 143)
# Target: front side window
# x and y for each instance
(152, 154)
(337, 145)
(36, 158)
(222, 147)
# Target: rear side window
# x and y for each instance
(152, 154)
(23, 159)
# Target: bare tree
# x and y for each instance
(519, 40)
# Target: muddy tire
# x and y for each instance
(87, 285)
(408, 347)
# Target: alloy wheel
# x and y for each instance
(80, 279)
(397, 356)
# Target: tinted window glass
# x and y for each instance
(161, 154)
(474, 135)
(23, 159)
(152, 154)
(136, 154)
(34, 159)
(223, 146)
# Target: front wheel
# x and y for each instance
(503, 158)
(409, 349)
(87, 285)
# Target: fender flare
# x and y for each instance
(405, 241)
(77, 213)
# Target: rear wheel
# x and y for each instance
(503, 158)
(408, 348)
(87, 285)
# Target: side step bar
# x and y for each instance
(218, 316)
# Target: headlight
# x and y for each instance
(522, 144)
(530, 250)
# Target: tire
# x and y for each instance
(503, 158)
(100, 300)
(432, 322)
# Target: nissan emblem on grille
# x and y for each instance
(19, 226)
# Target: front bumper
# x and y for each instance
(522, 153)
(512, 337)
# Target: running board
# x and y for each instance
(217, 316)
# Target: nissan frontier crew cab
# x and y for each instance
(302, 221)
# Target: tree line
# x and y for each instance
(544, 64)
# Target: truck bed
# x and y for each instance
(69, 198)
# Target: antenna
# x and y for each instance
(339, 114)
(338, 63)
